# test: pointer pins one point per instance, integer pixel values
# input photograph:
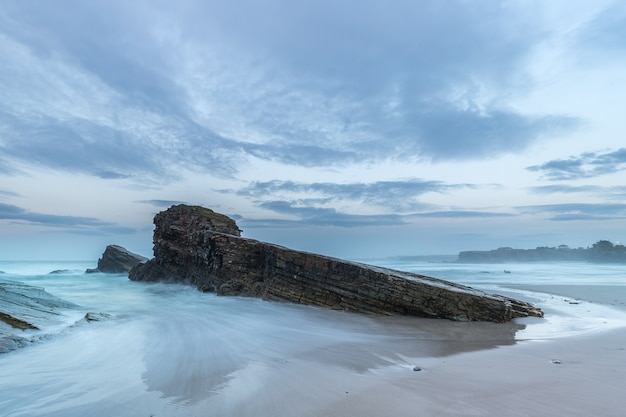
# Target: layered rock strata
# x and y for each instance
(200, 247)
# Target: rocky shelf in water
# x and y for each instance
(24, 307)
(28, 314)
(198, 246)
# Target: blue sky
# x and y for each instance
(355, 129)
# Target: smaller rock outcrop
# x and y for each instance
(117, 260)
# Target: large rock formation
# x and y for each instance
(195, 245)
(117, 260)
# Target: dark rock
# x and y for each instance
(9, 343)
(117, 260)
(59, 271)
(200, 247)
(16, 323)
(417, 369)
(90, 316)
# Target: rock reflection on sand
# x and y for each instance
(196, 352)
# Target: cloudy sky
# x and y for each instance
(350, 128)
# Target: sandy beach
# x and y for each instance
(518, 380)
(465, 369)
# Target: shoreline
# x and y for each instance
(320, 362)
(433, 367)
(610, 294)
(553, 375)
(574, 376)
(578, 374)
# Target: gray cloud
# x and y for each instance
(86, 146)
(578, 211)
(306, 202)
(605, 34)
(397, 195)
(162, 203)
(72, 223)
(7, 168)
(312, 216)
(358, 48)
(391, 91)
(313, 87)
(303, 155)
(586, 165)
(610, 193)
(103, 39)
(562, 188)
(449, 133)
(462, 214)
(77, 146)
(5, 193)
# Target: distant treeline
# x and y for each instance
(602, 251)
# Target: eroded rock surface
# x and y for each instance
(198, 246)
(117, 260)
(23, 309)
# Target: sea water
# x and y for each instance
(168, 349)
(563, 273)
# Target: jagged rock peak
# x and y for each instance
(187, 217)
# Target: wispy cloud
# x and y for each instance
(315, 203)
(586, 165)
(578, 211)
(462, 214)
(132, 90)
(305, 216)
(161, 203)
(70, 223)
(7, 168)
(604, 36)
(606, 192)
(314, 216)
(566, 189)
(5, 193)
(452, 133)
(399, 195)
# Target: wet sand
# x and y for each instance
(552, 375)
(612, 295)
(580, 375)
(442, 368)
(577, 376)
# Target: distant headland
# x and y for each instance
(602, 251)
